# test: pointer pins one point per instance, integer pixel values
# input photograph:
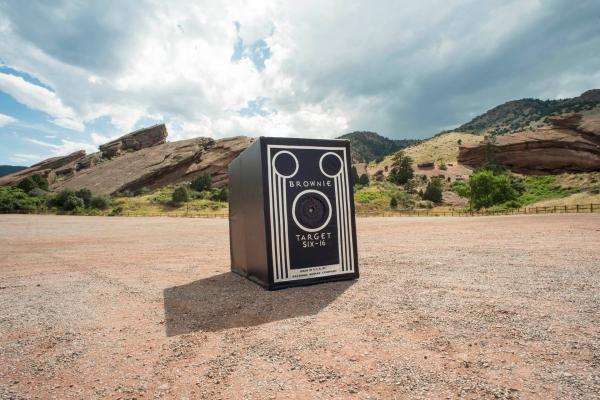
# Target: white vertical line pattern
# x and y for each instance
(336, 184)
(279, 222)
(344, 221)
(272, 207)
(351, 239)
(285, 229)
(284, 240)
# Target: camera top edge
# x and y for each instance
(290, 141)
(294, 140)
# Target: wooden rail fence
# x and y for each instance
(564, 209)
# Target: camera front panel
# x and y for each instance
(310, 212)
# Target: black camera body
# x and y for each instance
(291, 212)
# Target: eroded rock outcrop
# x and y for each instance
(140, 159)
(159, 165)
(216, 159)
(88, 161)
(49, 169)
(134, 141)
(570, 144)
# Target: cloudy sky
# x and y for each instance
(74, 73)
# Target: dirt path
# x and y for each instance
(487, 307)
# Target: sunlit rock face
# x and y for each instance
(141, 159)
(134, 141)
(570, 144)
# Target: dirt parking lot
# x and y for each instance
(483, 307)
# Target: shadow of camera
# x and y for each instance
(229, 301)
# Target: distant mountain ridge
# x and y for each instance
(519, 115)
(9, 169)
(369, 146)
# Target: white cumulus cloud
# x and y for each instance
(65, 147)
(39, 98)
(321, 68)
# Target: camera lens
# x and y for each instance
(311, 210)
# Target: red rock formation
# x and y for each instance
(49, 168)
(570, 144)
(426, 164)
(160, 165)
(134, 141)
(139, 159)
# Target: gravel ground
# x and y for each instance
(484, 307)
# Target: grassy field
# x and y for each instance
(574, 199)
(377, 196)
(159, 202)
(441, 148)
(564, 189)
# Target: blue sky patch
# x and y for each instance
(255, 107)
(258, 52)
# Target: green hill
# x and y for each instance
(518, 115)
(369, 146)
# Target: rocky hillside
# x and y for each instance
(141, 159)
(519, 115)
(571, 143)
(369, 146)
(527, 136)
(439, 149)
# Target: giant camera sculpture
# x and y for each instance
(291, 212)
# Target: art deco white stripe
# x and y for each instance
(285, 231)
(344, 222)
(338, 211)
(348, 219)
(274, 224)
(344, 260)
(278, 219)
(282, 217)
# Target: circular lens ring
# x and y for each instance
(311, 209)
(294, 211)
(275, 169)
(330, 153)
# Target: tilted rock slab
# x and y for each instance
(570, 144)
(50, 169)
(139, 159)
(160, 165)
(134, 141)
